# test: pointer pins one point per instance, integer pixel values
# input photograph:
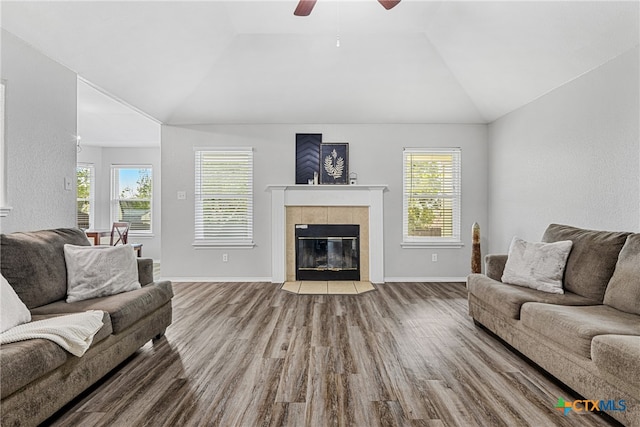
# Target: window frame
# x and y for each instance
(115, 198)
(455, 195)
(4, 209)
(242, 241)
(92, 191)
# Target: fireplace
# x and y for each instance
(327, 204)
(327, 251)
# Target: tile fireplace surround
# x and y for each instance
(326, 204)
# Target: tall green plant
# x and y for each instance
(143, 190)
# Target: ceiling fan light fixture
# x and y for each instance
(389, 4)
(304, 7)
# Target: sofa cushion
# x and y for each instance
(592, 258)
(618, 358)
(574, 327)
(537, 265)
(508, 299)
(25, 361)
(98, 271)
(623, 291)
(13, 312)
(33, 263)
(124, 309)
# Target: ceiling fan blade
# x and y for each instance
(388, 4)
(304, 7)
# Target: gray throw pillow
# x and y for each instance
(537, 265)
(98, 271)
(623, 291)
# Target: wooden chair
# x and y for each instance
(120, 236)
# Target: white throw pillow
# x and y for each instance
(13, 312)
(98, 271)
(537, 265)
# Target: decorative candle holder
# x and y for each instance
(353, 178)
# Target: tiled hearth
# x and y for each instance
(328, 288)
(327, 204)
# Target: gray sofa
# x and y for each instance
(38, 376)
(588, 337)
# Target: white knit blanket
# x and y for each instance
(73, 332)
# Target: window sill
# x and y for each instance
(222, 245)
(436, 245)
(143, 235)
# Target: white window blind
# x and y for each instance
(431, 196)
(224, 197)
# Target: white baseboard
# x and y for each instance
(268, 279)
(217, 279)
(424, 279)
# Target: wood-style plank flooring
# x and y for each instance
(249, 354)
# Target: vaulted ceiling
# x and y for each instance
(255, 62)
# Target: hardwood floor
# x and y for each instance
(248, 354)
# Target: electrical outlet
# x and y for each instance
(182, 195)
(225, 257)
(434, 257)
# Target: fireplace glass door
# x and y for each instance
(327, 252)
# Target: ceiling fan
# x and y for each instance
(306, 6)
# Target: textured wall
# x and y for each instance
(40, 147)
(569, 157)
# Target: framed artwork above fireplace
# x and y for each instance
(334, 163)
(307, 156)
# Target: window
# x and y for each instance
(2, 165)
(4, 210)
(85, 177)
(431, 197)
(131, 190)
(224, 197)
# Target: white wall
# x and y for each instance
(570, 157)
(102, 158)
(375, 153)
(40, 146)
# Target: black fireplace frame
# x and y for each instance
(327, 231)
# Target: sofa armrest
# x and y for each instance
(145, 270)
(494, 265)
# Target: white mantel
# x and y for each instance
(327, 195)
